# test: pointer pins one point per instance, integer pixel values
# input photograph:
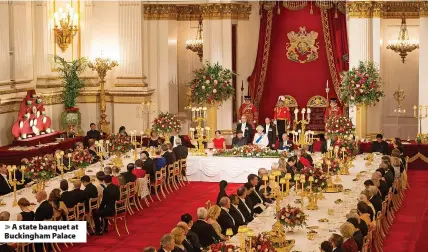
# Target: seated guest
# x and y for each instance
(186, 242)
(364, 197)
(60, 210)
(222, 193)
(218, 140)
(148, 165)
(78, 146)
(6, 247)
(159, 160)
(168, 154)
(239, 140)
(375, 199)
(122, 131)
(382, 186)
(396, 154)
(179, 236)
(358, 236)
(285, 144)
(93, 133)
(212, 219)
(99, 182)
(149, 249)
(398, 145)
(306, 154)
(255, 197)
(174, 137)
(117, 178)
(326, 143)
(4, 216)
(138, 171)
(260, 138)
(270, 132)
(291, 166)
(129, 176)
(91, 190)
(347, 231)
(191, 235)
(5, 187)
(26, 214)
(326, 246)
(389, 177)
(225, 219)
(179, 150)
(363, 212)
(243, 205)
(388, 161)
(66, 196)
(45, 210)
(362, 226)
(167, 243)
(154, 140)
(79, 195)
(380, 145)
(235, 212)
(205, 232)
(257, 207)
(302, 161)
(93, 151)
(107, 207)
(246, 128)
(337, 241)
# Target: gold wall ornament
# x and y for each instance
(403, 45)
(302, 43)
(290, 101)
(423, 9)
(317, 101)
(360, 9)
(65, 27)
(399, 96)
(101, 66)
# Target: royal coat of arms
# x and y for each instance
(303, 47)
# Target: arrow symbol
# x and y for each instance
(7, 226)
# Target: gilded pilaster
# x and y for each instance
(378, 8)
(423, 9)
(359, 9)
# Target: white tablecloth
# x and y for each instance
(264, 221)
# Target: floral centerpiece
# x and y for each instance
(211, 85)
(349, 144)
(250, 151)
(119, 144)
(361, 85)
(339, 126)
(166, 123)
(334, 165)
(320, 179)
(81, 158)
(222, 247)
(40, 168)
(261, 243)
(292, 217)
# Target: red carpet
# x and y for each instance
(147, 226)
(407, 232)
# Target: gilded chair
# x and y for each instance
(157, 185)
(121, 211)
(183, 169)
(318, 104)
(178, 177)
(164, 179)
(149, 186)
(132, 197)
(171, 178)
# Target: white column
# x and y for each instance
(423, 66)
(86, 23)
(41, 37)
(217, 36)
(4, 42)
(22, 40)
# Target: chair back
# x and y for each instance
(170, 171)
(72, 215)
(93, 204)
(120, 208)
(123, 192)
(80, 211)
(131, 189)
(158, 178)
(142, 186)
(183, 164)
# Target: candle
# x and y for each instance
(9, 168)
(193, 112)
(14, 171)
(303, 111)
(327, 83)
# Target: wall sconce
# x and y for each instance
(65, 27)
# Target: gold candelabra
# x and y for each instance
(301, 136)
(199, 116)
(399, 97)
(102, 66)
(60, 164)
(100, 152)
(418, 113)
(13, 181)
(66, 27)
(147, 108)
(134, 143)
(312, 197)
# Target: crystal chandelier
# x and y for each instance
(197, 45)
(65, 26)
(403, 45)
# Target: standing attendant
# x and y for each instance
(270, 131)
(246, 128)
(281, 116)
(333, 111)
(249, 110)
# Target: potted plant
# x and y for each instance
(70, 74)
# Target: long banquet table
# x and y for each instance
(264, 221)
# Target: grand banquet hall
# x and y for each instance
(216, 125)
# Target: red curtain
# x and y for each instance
(274, 74)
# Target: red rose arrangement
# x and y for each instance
(350, 146)
(339, 126)
(261, 243)
(320, 179)
(334, 165)
(166, 123)
(222, 247)
(292, 217)
(253, 151)
(81, 158)
(120, 143)
(40, 168)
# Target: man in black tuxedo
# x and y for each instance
(203, 230)
(244, 204)
(225, 219)
(337, 241)
(375, 199)
(383, 187)
(326, 143)
(93, 133)
(90, 190)
(107, 207)
(270, 130)
(246, 128)
(66, 196)
(380, 145)
(78, 194)
(45, 210)
(174, 137)
(186, 242)
(179, 150)
(148, 165)
(128, 175)
(235, 212)
(5, 187)
(239, 140)
(285, 144)
(191, 236)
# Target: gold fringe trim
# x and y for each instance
(415, 157)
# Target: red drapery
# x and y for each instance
(274, 74)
